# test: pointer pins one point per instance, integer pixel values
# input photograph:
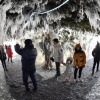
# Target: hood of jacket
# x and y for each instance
(78, 45)
(70, 58)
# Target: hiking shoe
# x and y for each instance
(80, 80)
(92, 74)
(57, 75)
(35, 90)
(97, 70)
(6, 69)
(28, 90)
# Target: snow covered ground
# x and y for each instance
(49, 88)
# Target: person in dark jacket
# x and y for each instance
(96, 55)
(3, 58)
(29, 54)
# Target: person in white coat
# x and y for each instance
(58, 55)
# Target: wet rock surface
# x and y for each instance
(49, 88)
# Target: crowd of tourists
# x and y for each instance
(74, 65)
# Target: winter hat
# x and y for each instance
(78, 45)
(28, 42)
(70, 59)
(55, 40)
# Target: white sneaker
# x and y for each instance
(75, 80)
(80, 80)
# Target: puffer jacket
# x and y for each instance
(96, 53)
(58, 53)
(69, 67)
(28, 58)
(79, 59)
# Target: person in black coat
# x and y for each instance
(29, 54)
(96, 55)
(3, 58)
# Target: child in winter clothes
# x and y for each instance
(69, 69)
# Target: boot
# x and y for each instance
(6, 69)
(97, 70)
(92, 73)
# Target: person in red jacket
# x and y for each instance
(9, 52)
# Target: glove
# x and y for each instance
(52, 59)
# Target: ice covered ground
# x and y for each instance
(49, 88)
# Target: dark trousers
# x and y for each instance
(95, 62)
(3, 63)
(57, 68)
(10, 59)
(80, 72)
(25, 80)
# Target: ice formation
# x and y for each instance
(16, 23)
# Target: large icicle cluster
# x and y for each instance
(93, 13)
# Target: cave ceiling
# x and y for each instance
(72, 14)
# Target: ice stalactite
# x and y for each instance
(94, 19)
(3, 9)
(93, 15)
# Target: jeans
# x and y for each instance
(95, 62)
(80, 72)
(25, 80)
(57, 68)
